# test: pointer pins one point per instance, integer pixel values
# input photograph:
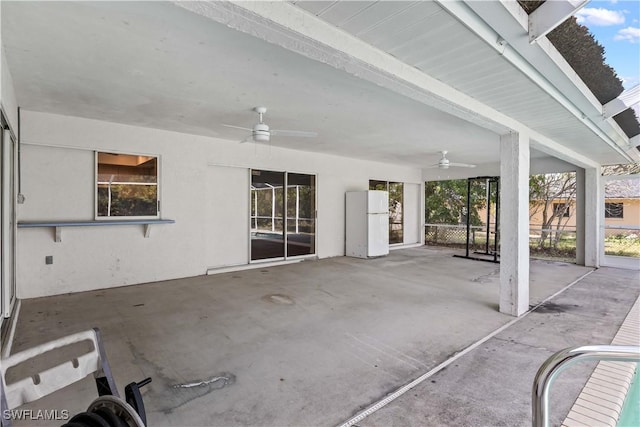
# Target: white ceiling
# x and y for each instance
(423, 35)
(159, 65)
(155, 64)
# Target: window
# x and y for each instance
(613, 210)
(396, 217)
(561, 209)
(126, 185)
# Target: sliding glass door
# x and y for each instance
(301, 214)
(272, 208)
(7, 220)
(267, 210)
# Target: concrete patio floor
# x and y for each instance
(313, 343)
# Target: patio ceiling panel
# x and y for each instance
(158, 65)
(427, 37)
(154, 64)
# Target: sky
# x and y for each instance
(615, 24)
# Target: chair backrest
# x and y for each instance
(39, 384)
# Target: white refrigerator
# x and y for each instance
(367, 223)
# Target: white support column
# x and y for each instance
(580, 216)
(593, 214)
(514, 224)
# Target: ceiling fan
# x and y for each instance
(444, 163)
(261, 132)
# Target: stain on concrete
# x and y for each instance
(328, 293)
(278, 299)
(487, 278)
(550, 307)
(168, 393)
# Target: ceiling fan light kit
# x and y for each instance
(261, 132)
(444, 163)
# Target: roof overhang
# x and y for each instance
(544, 64)
(279, 31)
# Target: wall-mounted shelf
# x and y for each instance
(59, 225)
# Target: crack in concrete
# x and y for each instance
(172, 396)
(204, 382)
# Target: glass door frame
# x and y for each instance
(8, 231)
(387, 184)
(286, 257)
(315, 216)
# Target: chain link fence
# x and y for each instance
(622, 241)
(550, 243)
(446, 234)
(558, 243)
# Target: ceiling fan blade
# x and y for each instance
(462, 165)
(247, 139)
(432, 166)
(300, 133)
(238, 127)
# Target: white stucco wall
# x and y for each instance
(204, 188)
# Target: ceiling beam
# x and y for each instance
(541, 62)
(293, 28)
(626, 99)
(549, 15)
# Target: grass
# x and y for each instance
(565, 248)
(621, 245)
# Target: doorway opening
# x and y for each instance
(396, 211)
(282, 223)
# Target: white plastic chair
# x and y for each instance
(40, 384)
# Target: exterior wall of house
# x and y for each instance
(631, 213)
(204, 187)
(536, 218)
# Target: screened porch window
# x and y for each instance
(126, 185)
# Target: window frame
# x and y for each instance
(567, 209)
(131, 217)
(608, 210)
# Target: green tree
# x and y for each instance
(446, 201)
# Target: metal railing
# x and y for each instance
(565, 358)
